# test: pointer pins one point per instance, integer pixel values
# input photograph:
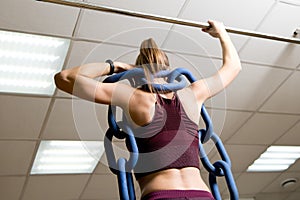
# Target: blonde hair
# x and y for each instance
(152, 59)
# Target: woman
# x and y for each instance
(175, 175)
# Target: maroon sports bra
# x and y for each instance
(170, 140)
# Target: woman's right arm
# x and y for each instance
(206, 88)
(79, 81)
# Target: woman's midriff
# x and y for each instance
(187, 178)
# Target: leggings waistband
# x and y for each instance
(179, 195)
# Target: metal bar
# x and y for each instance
(172, 20)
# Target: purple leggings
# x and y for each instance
(179, 195)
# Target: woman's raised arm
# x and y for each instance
(79, 81)
(208, 87)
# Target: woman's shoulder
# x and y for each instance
(141, 107)
(141, 97)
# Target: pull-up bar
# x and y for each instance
(91, 6)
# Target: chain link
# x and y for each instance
(123, 167)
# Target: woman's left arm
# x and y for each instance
(208, 87)
(79, 81)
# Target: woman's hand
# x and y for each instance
(216, 29)
(121, 67)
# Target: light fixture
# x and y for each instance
(276, 158)
(29, 62)
(67, 157)
(287, 183)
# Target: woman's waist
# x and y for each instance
(187, 178)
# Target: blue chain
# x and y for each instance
(123, 167)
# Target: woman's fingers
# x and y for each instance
(215, 28)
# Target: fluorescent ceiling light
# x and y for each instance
(67, 157)
(276, 158)
(29, 62)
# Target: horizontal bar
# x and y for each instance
(81, 4)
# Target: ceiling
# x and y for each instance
(261, 107)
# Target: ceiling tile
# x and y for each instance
(275, 186)
(34, 16)
(192, 41)
(233, 121)
(227, 122)
(227, 12)
(49, 187)
(200, 67)
(292, 137)
(165, 8)
(246, 94)
(102, 167)
(103, 187)
(290, 102)
(263, 129)
(295, 167)
(283, 21)
(80, 51)
(60, 124)
(294, 196)
(15, 157)
(237, 153)
(122, 29)
(22, 117)
(11, 187)
(253, 183)
(203, 11)
(271, 196)
(128, 30)
(76, 119)
(87, 52)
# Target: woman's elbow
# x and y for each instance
(239, 65)
(60, 80)
(57, 78)
(236, 67)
